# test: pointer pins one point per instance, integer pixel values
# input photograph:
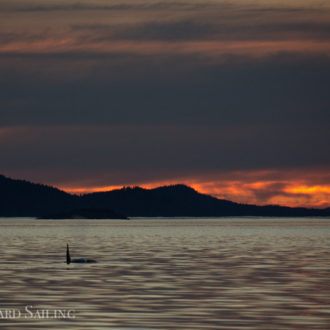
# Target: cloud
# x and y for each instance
(208, 28)
(223, 162)
(288, 89)
(238, 7)
(120, 155)
(164, 92)
(197, 29)
(292, 187)
(119, 6)
(170, 31)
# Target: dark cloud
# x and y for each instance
(143, 153)
(237, 8)
(269, 191)
(176, 31)
(200, 31)
(180, 30)
(89, 6)
(287, 88)
(130, 119)
(23, 36)
(285, 9)
(188, 30)
(73, 107)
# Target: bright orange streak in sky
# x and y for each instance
(87, 190)
(309, 190)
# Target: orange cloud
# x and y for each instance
(85, 190)
(209, 48)
(288, 193)
(309, 190)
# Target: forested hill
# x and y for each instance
(19, 198)
(183, 201)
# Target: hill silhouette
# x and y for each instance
(19, 198)
(183, 201)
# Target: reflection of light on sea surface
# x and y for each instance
(202, 273)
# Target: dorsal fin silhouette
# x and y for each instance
(68, 258)
(76, 260)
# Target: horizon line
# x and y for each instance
(221, 190)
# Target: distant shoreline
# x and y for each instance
(19, 198)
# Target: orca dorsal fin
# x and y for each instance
(68, 258)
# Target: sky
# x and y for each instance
(229, 97)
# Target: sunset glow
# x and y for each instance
(228, 97)
(165, 164)
(262, 192)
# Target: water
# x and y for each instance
(242, 273)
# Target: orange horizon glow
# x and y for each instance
(288, 193)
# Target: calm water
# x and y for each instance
(158, 274)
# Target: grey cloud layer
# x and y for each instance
(193, 30)
(142, 90)
(141, 117)
(126, 154)
(90, 6)
(71, 113)
(187, 30)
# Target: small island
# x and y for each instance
(86, 214)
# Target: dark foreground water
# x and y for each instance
(158, 274)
